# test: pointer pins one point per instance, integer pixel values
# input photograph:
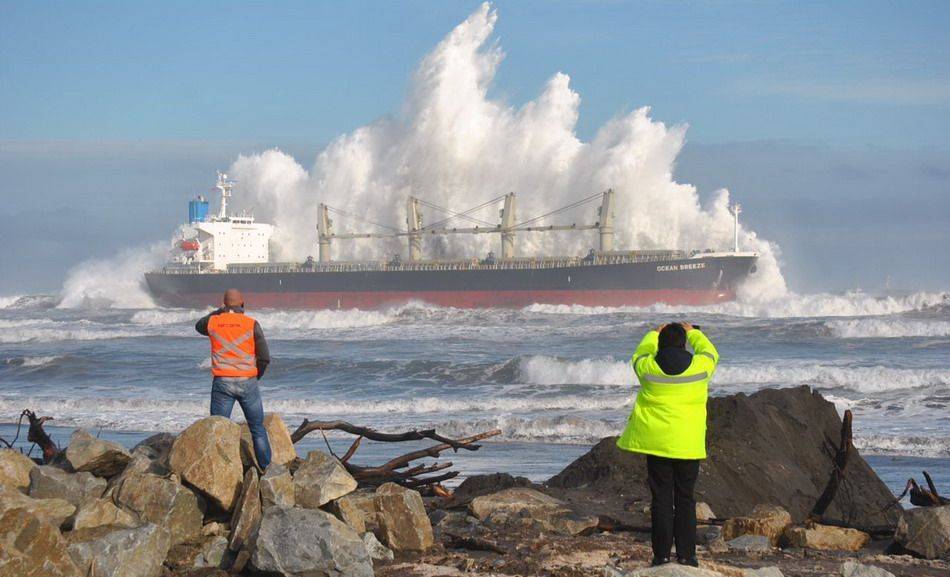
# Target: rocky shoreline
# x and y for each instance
(195, 504)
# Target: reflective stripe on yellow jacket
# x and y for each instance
(669, 416)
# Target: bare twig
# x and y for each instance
(349, 452)
(308, 426)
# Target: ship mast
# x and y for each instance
(414, 228)
(224, 185)
(736, 209)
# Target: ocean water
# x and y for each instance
(554, 379)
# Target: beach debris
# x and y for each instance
(99, 457)
(277, 487)
(15, 469)
(826, 537)
(31, 547)
(295, 542)
(281, 446)
(162, 501)
(107, 552)
(207, 456)
(36, 434)
(402, 519)
(53, 511)
(396, 470)
(320, 479)
(769, 521)
(925, 531)
(839, 463)
(49, 482)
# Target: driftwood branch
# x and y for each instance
(37, 435)
(399, 469)
(308, 426)
(839, 463)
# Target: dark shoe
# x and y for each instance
(657, 561)
(692, 562)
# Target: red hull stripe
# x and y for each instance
(460, 299)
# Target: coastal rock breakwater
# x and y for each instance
(771, 455)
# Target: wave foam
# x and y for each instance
(32, 361)
(851, 304)
(887, 328)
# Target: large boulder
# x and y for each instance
(52, 511)
(528, 508)
(101, 512)
(48, 482)
(403, 522)
(855, 569)
(156, 448)
(108, 552)
(308, 542)
(30, 547)
(356, 509)
(247, 513)
(99, 457)
(15, 469)
(766, 520)
(768, 447)
(277, 487)
(826, 538)
(208, 551)
(321, 479)
(925, 531)
(281, 446)
(164, 502)
(207, 456)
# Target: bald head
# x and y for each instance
(233, 298)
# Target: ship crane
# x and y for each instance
(508, 227)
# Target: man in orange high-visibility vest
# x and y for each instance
(239, 357)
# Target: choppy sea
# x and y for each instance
(554, 379)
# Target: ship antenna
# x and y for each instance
(224, 185)
(736, 209)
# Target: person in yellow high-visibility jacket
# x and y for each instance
(668, 424)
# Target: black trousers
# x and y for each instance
(673, 509)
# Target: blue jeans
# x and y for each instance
(226, 390)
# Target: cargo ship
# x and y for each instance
(216, 252)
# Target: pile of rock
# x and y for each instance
(175, 504)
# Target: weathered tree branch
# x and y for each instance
(308, 426)
(37, 435)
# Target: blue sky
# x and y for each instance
(834, 114)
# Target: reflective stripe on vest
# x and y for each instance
(232, 345)
(676, 380)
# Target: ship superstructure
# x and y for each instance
(233, 251)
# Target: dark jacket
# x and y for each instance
(260, 343)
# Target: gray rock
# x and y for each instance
(750, 544)
(308, 542)
(377, 551)
(247, 513)
(763, 572)
(524, 507)
(124, 553)
(101, 458)
(207, 551)
(673, 570)
(161, 501)
(855, 569)
(925, 531)
(157, 448)
(321, 479)
(277, 487)
(48, 482)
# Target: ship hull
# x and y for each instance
(694, 281)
